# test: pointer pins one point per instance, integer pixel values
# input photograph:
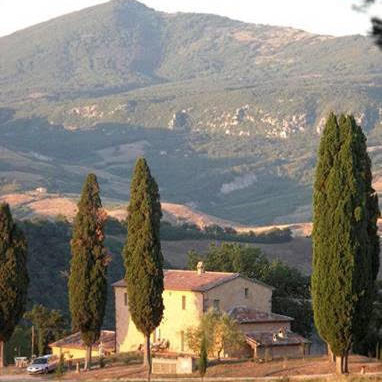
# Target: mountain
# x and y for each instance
(228, 114)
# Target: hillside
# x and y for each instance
(227, 113)
(39, 204)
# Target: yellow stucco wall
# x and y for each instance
(72, 353)
(175, 320)
(124, 325)
(232, 294)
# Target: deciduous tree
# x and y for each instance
(376, 23)
(219, 331)
(49, 324)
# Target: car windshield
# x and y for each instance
(40, 361)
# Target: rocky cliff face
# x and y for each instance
(229, 114)
(180, 121)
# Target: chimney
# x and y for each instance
(200, 268)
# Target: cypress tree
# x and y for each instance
(87, 281)
(13, 276)
(345, 250)
(203, 359)
(370, 263)
(143, 255)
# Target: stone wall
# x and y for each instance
(286, 351)
(178, 365)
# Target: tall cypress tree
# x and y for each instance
(143, 255)
(88, 267)
(345, 250)
(369, 263)
(13, 276)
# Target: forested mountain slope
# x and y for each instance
(228, 114)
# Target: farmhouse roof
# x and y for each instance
(245, 315)
(74, 341)
(190, 280)
(269, 339)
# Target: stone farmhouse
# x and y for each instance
(189, 294)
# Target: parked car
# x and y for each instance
(43, 364)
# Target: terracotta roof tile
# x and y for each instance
(74, 341)
(266, 339)
(245, 315)
(191, 280)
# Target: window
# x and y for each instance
(125, 298)
(246, 292)
(182, 340)
(183, 302)
(217, 304)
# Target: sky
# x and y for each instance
(334, 17)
